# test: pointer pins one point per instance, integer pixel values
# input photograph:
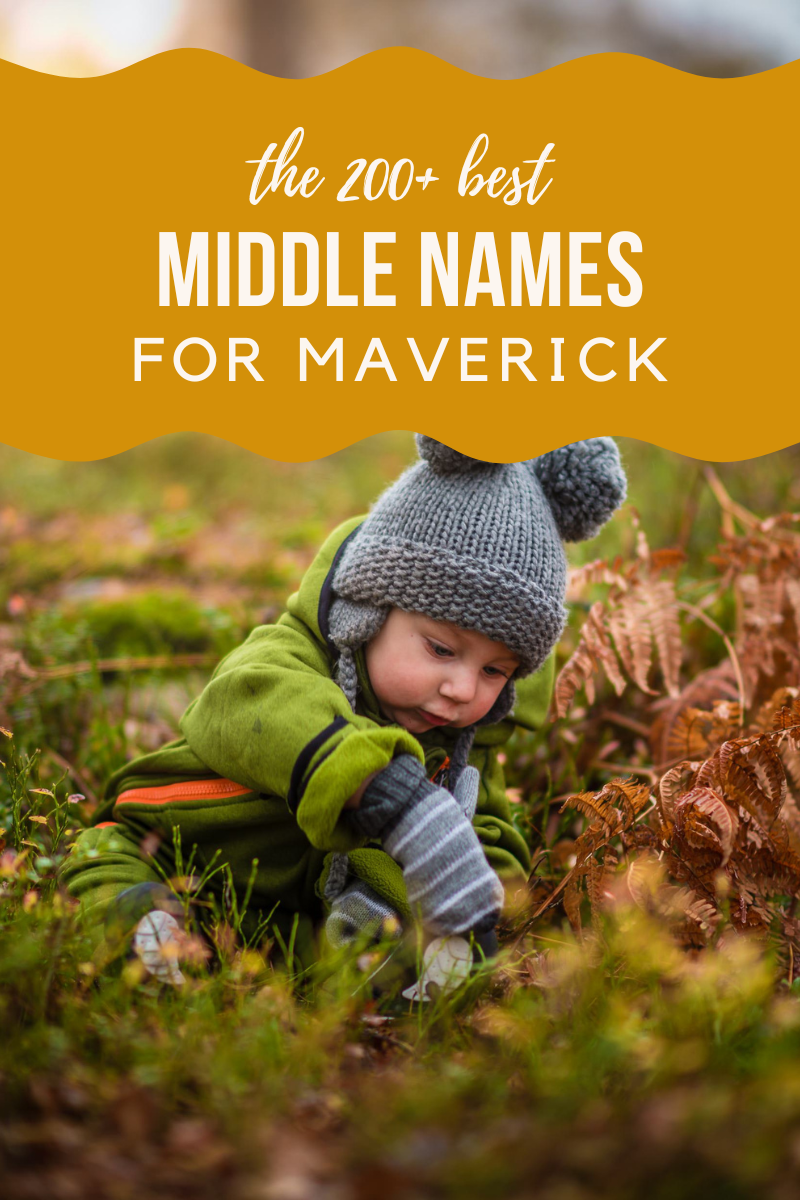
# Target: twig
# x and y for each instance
(152, 662)
(560, 888)
(550, 899)
(626, 722)
(600, 764)
(559, 798)
(690, 510)
(728, 505)
(737, 670)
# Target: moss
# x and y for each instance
(158, 622)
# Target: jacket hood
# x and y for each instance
(312, 600)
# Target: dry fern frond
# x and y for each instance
(599, 644)
(764, 763)
(662, 612)
(763, 569)
(689, 735)
(577, 672)
(594, 650)
(715, 684)
(790, 757)
(580, 579)
(678, 780)
(695, 732)
(627, 795)
(643, 879)
(641, 612)
(702, 912)
(667, 559)
(630, 629)
(696, 925)
(748, 772)
(764, 717)
(595, 807)
(793, 596)
(596, 886)
(788, 716)
(726, 721)
(703, 821)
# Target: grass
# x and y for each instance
(611, 1066)
(606, 1066)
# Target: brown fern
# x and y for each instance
(639, 615)
(594, 650)
(630, 629)
(594, 806)
(704, 821)
(662, 611)
(707, 689)
(793, 597)
(719, 852)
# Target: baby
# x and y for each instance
(344, 761)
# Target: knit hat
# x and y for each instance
(477, 544)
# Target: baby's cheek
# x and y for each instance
(413, 683)
(486, 698)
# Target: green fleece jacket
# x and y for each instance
(273, 720)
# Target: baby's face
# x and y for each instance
(427, 673)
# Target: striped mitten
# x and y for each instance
(422, 826)
(356, 910)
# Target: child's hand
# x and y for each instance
(444, 866)
(356, 910)
(355, 799)
(445, 869)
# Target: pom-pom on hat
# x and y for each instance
(479, 544)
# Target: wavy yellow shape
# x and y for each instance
(703, 171)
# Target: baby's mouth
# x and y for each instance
(432, 719)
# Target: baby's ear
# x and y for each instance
(584, 483)
(443, 459)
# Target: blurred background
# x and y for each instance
(496, 38)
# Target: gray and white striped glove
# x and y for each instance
(356, 910)
(422, 826)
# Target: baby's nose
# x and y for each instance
(459, 686)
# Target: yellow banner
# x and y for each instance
(609, 247)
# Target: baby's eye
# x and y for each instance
(492, 672)
(440, 651)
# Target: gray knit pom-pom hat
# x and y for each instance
(478, 544)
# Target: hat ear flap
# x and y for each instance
(584, 483)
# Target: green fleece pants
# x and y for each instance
(104, 862)
(107, 861)
(213, 822)
(217, 822)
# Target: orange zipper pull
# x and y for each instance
(441, 770)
